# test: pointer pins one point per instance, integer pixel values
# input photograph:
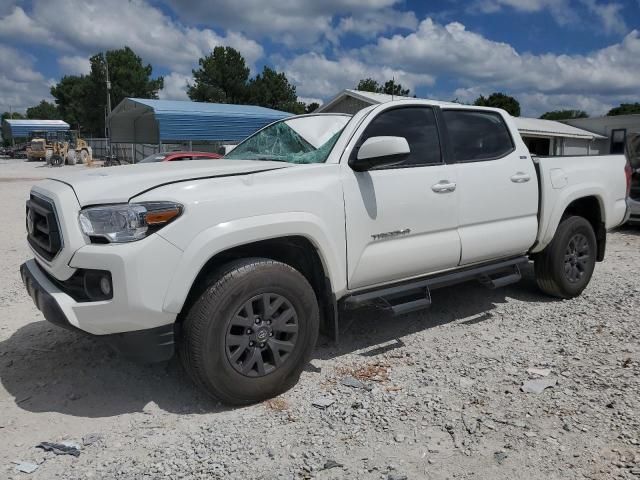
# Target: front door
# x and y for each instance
(497, 186)
(401, 220)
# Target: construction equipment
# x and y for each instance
(82, 151)
(37, 146)
(68, 148)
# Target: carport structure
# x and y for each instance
(14, 129)
(162, 122)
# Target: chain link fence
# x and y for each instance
(134, 152)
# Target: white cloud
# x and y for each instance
(20, 85)
(319, 77)
(370, 24)
(474, 59)
(175, 86)
(296, 23)
(610, 15)
(104, 24)
(309, 100)
(593, 81)
(74, 65)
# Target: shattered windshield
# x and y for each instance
(306, 139)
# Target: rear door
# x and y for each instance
(401, 221)
(497, 186)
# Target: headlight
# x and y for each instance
(127, 222)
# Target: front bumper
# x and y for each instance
(148, 345)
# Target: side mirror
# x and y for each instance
(380, 151)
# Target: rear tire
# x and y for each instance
(251, 332)
(564, 268)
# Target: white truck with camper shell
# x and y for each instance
(237, 263)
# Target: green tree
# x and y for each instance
(625, 109)
(273, 90)
(221, 78)
(13, 115)
(564, 114)
(43, 111)
(311, 107)
(390, 87)
(393, 88)
(499, 100)
(82, 99)
(368, 85)
(70, 95)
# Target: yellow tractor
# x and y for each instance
(69, 148)
(37, 146)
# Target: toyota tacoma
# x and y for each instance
(237, 264)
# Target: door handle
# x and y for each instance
(444, 186)
(520, 177)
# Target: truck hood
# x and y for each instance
(121, 183)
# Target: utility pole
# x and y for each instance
(107, 130)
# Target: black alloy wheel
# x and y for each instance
(261, 335)
(576, 258)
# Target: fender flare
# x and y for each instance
(226, 235)
(565, 198)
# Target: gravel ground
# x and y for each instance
(432, 395)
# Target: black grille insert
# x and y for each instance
(42, 227)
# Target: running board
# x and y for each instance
(415, 295)
(501, 279)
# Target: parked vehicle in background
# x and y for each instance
(37, 145)
(243, 260)
(179, 156)
(633, 148)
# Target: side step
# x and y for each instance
(415, 295)
(501, 279)
(407, 301)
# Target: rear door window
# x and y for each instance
(477, 135)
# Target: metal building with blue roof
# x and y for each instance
(139, 120)
(12, 129)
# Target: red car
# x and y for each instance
(179, 156)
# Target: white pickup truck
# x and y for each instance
(238, 263)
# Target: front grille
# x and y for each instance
(43, 233)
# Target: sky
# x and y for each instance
(549, 54)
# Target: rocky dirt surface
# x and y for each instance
(433, 395)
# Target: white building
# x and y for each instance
(543, 137)
(616, 130)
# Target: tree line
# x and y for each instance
(221, 77)
(511, 105)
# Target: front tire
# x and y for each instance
(250, 333)
(71, 157)
(564, 268)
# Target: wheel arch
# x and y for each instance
(589, 206)
(298, 251)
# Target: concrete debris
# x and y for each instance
(331, 464)
(26, 467)
(352, 382)
(323, 402)
(539, 372)
(539, 385)
(91, 438)
(500, 457)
